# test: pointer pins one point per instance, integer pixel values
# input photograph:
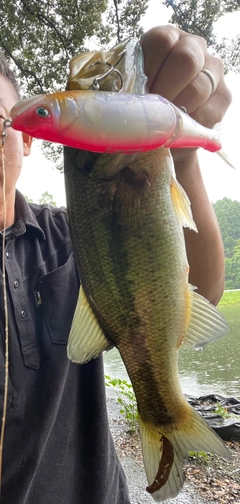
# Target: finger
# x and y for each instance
(173, 64)
(199, 90)
(180, 68)
(157, 43)
(214, 109)
(180, 61)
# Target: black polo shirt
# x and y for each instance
(57, 445)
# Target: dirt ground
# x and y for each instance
(208, 479)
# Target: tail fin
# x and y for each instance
(165, 452)
(223, 155)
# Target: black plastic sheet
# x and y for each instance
(227, 427)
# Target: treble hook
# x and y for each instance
(96, 83)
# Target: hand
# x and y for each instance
(173, 63)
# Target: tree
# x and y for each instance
(124, 18)
(233, 269)
(228, 215)
(41, 36)
(198, 17)
(45, 198)
(29, 200)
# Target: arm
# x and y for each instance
(204, 249)
(173, 63)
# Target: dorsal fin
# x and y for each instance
(181, 204)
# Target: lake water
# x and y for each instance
(214, 370)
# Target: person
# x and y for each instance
(57, 445)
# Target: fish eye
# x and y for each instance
(42, 112)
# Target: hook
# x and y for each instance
(6, 124)
(96, 83)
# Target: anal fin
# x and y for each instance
(206, 322)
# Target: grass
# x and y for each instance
(127, 400)
(201, 454)
(230, 297)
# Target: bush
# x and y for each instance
(127, 400)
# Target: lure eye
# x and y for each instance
(42, 112)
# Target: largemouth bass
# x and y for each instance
(126, 214)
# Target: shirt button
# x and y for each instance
(7, 255)
(16, 284)
(23, 314)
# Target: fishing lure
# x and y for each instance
(111, 122)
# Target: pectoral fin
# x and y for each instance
(206, 323)
(86, 340)
(182, 206)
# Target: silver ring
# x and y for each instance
(211, 77)
(183, 109)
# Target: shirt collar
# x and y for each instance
(25, 217)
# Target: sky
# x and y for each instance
(38, 175)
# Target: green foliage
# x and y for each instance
(127, 400)
(228, 215)
(223, 412)
(123, 18)
(198, 17)
(45, 198)
(233, 269)
(29, 200)
(220, 410)
(231, 297)
(200, 454)
(53, 153)
(229, 53)
(41, 36)
(195, 17)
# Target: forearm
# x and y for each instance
(176, 64)
(204, 249)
